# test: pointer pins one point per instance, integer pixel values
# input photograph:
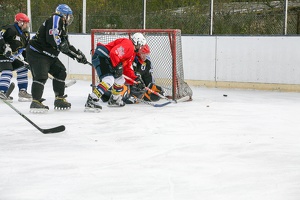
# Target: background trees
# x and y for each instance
(191, 16)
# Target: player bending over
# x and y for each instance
(111, 61)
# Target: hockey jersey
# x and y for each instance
(122, 50)
(49, 36)
(144, 68)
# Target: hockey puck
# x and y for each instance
(224, 95)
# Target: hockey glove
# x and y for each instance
(118, 70)
(81, 57)
(137, 92)
(7, 51)
(64, 47)
(140, 83)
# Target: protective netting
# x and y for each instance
(166, 56)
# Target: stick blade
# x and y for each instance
(69, 84)
(53, 130)
(162, 104)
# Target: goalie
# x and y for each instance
(143, 68)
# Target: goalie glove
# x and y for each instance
(7, 51)
(81, 57)
(140, 83)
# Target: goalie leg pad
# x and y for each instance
(149, 96)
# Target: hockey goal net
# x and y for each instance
(165, 55)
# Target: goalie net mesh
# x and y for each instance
(165, 56)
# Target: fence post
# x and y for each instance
(211, 17)
(286, 6)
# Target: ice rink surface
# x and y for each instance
(245, 146)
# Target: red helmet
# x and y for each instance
(21, 17)
(145, 49)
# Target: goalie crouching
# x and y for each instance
(143, 69)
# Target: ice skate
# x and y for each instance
(6, 98)
(3, 96)
(115, 101)
(24, 96)
(61, 103)
(37, 106)
(92, 105)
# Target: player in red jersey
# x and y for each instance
(111, 61)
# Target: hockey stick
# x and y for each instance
(154, 104)
(45, 131)
(69, 84)
(72, 82)
(10, 89)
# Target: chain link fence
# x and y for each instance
(230, 18)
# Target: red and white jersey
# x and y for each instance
(122, 50)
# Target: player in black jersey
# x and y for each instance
(42, 55)
(13, 40)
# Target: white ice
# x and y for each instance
(245, 146)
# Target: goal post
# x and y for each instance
(165, 55)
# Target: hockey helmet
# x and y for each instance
(138, 39)
(21, 17)
(66, 12)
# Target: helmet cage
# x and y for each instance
(145, 49)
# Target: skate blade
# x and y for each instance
(23, 99)
(95, 110)
(38, 110)
(61, 109)
(115, 106)
(9, 100)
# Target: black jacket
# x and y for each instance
(144, 69)
(15, 37)
(49, 36)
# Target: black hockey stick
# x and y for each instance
(69, 84)
(45, 131)
(10, 89)
(153, 104)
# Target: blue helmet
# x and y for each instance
(65, 11)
